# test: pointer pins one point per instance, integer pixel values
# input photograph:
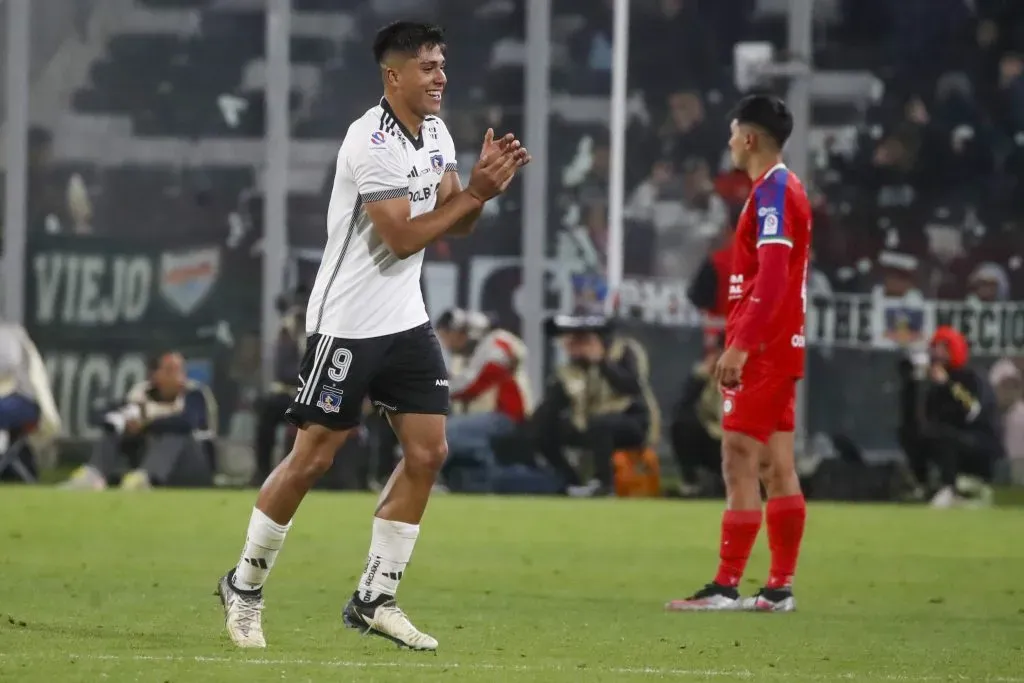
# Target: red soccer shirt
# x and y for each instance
(776, 215)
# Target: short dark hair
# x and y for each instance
(767, 112)
(155, 360)
(407, 37)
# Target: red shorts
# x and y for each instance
(762, 405)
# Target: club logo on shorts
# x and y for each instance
(437, 163)
(727, 406)
(330, 400)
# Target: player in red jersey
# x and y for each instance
(762, 363)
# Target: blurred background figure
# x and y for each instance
(1005, 378)
(958, 434)
(697, 426)
(271, 406)
(161, 434)
(28, 413)
(490, 398)
(597, 401)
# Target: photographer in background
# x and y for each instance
(161, 435)
(271, 407)
(697, 424)
(597, 400)
(953, 423)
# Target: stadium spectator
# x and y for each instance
(597, 401)
(697, 425)
(685, 131)
(958, 432)
(989, 282)
(1008, 384)
(490, 398)
(26, 402)
(698, 220)
(709, 288)
(270, 408)
(161, 435)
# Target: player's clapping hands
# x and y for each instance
(499, 160)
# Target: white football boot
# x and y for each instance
(383, 618)
(243, 613)
(711, 598)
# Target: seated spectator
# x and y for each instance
(956, 426)
(697, 425)
(271, 407)
(597, 400)
(26, 402)
(162, 435)
(685, 132)
(1005, 378)
(490, 396)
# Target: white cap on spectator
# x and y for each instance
(995, 273)
(1002, 370)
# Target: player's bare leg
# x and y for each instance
(741, 458)
(396, 521)
(241, 589)
(785, 513)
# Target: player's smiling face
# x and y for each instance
(424, 80)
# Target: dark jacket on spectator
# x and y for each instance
(193, 412)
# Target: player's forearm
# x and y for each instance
(466, 225)
(769, 291)
(420, 231)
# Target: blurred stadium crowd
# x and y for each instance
(917, 136)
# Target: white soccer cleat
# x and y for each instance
(85, 478)
(946, 498)
(243, 614)
(711, 598)
(383, 618)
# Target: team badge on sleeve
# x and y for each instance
(437, 163)
(377, 138)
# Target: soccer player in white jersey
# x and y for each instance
(395, 191)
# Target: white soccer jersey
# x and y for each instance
(362, 289)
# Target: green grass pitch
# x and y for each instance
(118, 587)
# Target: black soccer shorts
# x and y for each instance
(402, 373)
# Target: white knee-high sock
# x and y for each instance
(262, 544)
(390, 549)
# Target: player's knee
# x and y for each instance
(778, 478)
(739, 459)
(427, 457)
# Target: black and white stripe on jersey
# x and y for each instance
(384, 195)
(353, 224)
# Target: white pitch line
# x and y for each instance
(654, 672)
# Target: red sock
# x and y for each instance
(739, 531)
(785, 517)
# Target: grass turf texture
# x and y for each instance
(118, 587)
